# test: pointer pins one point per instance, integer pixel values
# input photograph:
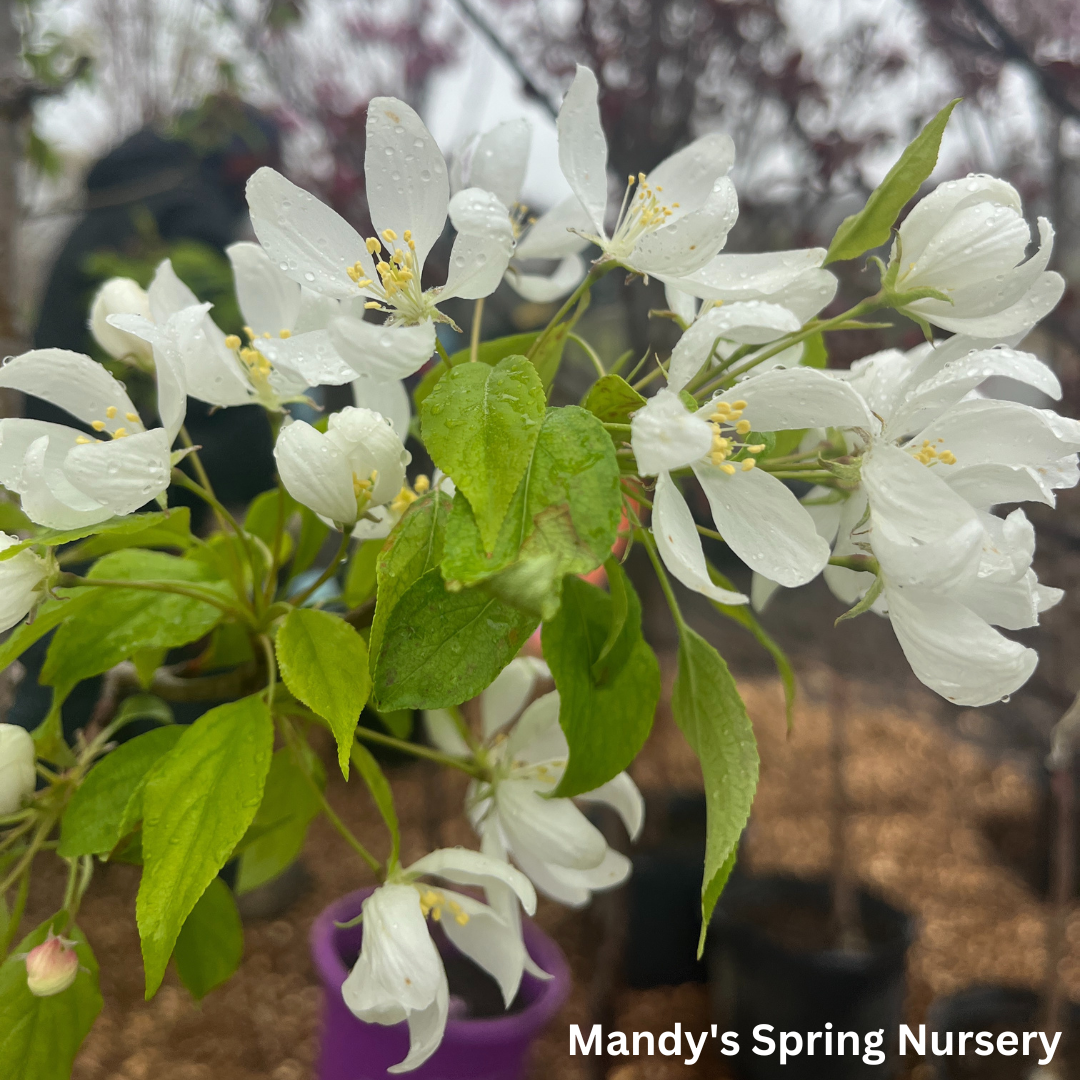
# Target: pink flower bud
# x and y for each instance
(51, 967)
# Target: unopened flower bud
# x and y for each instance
(51, 967)
(22, 583)
(17, 775)
(121, 296)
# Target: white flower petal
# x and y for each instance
(315, 472)
(480, 213)
(49, 498)
(688, 243)
(465, 867)
(688, 177)
(311, 357)
(792, 398)
(762, 590)
(119, 296)
(477, 265)
(308, 241)
(1035, 304)
(22, 578)
(122, 474)
(443, 733)
(622, 795)
(538, 289)
(507, 695)
(763, 522)
(987, 485)
(953, 651)
(73, 382)
(550, 236)
(371, 449)
(383, 352)
(679, 544)
(269, 299)
(682, 304)
(763, 276)
(500, 158)
(665, 435)
(407, 185)
(550, 882)
(426, 1029)
(488, 941)
(168, 294)
(582, 147)
(388, 397)
(554, 830)
(537, 735)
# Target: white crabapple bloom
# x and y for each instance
(673, 221)
(933, 458)
(496, 161)
(121, 296)
(357, 466)
(967, 239)
(400, 976)
(558, 848)
(23, 582)
(409, 200)
(17, 772)
(68, 479)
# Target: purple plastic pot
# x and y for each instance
(488, 1049)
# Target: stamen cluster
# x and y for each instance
(727, 417)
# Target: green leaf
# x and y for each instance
(815, 354)
(441, 648)
(398, 722)
(413, 547)
(706, 705)
(97, 817)
(491, 352)
(313, 531)
(288, 806)
(197, 805)
(741, 614)
(871, 226)
(40, 1036)
(480, 425)
(612, 400)
(607, 719)
(49, 616)
(120, 621)
(324, 663)
(377, 784)
(172, 532)
(262, 515)
(361, 575)
(210, 945)
(115, 527)
(866, 603)
(562, 520)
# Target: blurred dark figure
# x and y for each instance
(188, 185)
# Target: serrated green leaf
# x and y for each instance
(710, 713)
(197, 805)
(48, 617)
(40, 1036)
(871, 226)
(612, 400)
(172, 532)
(288, 806)
(377, 784)
(361, 575)
(117, 622)
(413, 547)
(97, 817)
(324, 663)
(562, 520)
(210, 945)
(480, 425)
(606, 718)
(441, 648)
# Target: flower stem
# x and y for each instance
(327, 574)
(594, 275)
(590, 352)
(669, 594)
(367, 735)
(474, 334)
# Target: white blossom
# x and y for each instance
(672, 222)
(121, 296)
(356, 467)
(400, 975)
(67, 479)
(17, 773)
(967, 239)
(23, 580)
(409, 199)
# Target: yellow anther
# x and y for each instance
(748, 464)
(98, 425)
(407, 236)
(120, 433)
(131, 417)
(283, 333)
(373, 304)
(641, 177)
(756, 448)
(740, 405)
(82, 440)
(250, 333)
(353, 272)
(232, 342)
(421, 484)
(389, 235)
(728, 468)
(743, 427)
(631, 179)
(110, 412)
(947, 457)
(373, 245)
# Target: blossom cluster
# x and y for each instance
(884, 478)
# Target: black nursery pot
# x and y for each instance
(996, 1009)
(769, 963)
